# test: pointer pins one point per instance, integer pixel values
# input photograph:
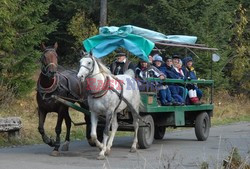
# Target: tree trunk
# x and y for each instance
(103, 13)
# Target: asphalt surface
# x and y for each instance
(178, 149)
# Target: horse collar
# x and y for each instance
(103, 90)
(50, 89)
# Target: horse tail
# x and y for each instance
(130, 72)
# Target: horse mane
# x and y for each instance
(102, 67)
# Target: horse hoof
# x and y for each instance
(132, 150)
(65, 146)
(91, 143)
(107, 152)
(55, 153)
(101, 157)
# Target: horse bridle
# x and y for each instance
(46, 66)
(91, 70)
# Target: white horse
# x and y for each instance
(108, 95)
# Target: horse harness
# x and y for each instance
(106, 87)
(44, 65)
(56, 86)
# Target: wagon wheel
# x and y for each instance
(99, 134)
(202, 126)
(146, 134)
(159, 132)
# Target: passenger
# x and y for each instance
(177, 67)
(195, 93)
(174, 89)
(176, 59)
(121, 64)
(169, 68)
(145, 70)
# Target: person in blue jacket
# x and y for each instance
(145, 70)
(191, 74)
(178, 70)
(174, 90)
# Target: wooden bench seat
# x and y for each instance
(12, 125)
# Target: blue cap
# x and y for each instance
(157, 58)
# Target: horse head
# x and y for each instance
(87, 66)
(49, 60)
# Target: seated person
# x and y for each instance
(121, 64)
(195, 93)
(145, 70)
(174, 89)
(178, 70)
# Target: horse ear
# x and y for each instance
(90, 54)
(82, 53)
(56, 46)
(43, 47)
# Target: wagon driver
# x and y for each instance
(121, 64)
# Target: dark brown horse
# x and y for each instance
(60, 83)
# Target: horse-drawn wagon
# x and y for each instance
(153, 118)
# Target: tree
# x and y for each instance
(103, 12)
(239, 64)
(213, 22)
(21, 31)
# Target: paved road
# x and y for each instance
(178, 149)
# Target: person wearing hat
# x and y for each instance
(178, 70)
(176, 58)
(174, 90)
(169, 68)
(121, 64)
(194, 92)
(145, 70)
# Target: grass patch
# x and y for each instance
(228, 109)
(216, 121)
(26, 108)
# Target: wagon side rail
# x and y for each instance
(186, 82)
(181, 81)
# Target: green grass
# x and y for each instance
(227, 110)
(225, 121)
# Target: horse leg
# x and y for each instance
(42, 116)
(112, 135)
(94, 122)
(105, 137)
(58, 130)
(65, 146)
(136, 127)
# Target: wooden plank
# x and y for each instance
(186, 46)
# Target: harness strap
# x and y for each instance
(129, 105)
(120, 95)
(103, 90)
(68, 87)
(43, 91)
